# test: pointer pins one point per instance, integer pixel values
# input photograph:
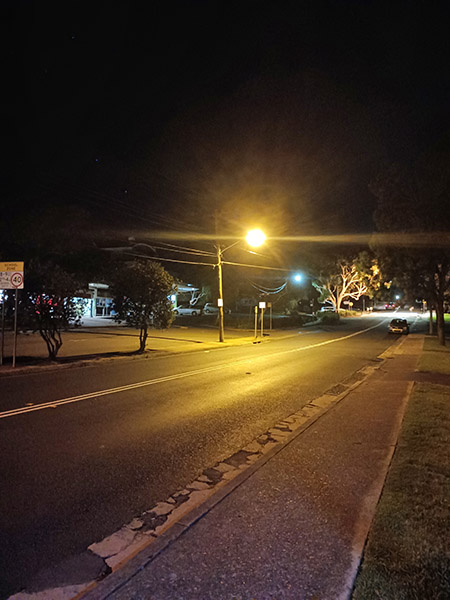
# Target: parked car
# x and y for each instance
(187, 310)
(327, 309)
(212, 309)
(399, 326)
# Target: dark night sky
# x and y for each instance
(159, 111)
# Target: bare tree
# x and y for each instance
(348, 280)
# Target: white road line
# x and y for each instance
(140, 384)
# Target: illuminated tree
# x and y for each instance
(347, 280)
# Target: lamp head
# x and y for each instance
(255, 238)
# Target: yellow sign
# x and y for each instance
(11, 266)
(11, 275)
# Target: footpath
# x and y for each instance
(293, 521)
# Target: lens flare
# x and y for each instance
(255, 238)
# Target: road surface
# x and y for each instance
(84, 450)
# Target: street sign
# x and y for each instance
(11, 275)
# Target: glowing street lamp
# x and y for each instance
(254, 238)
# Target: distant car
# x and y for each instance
(399, 326)
(187, 310)
(327, 309)
(212, 309)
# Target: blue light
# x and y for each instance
(298, 277)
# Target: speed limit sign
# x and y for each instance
(11, 275)
(17, 280)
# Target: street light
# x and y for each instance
(254, 238)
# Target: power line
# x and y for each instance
(256, 266)
(194, 253)
(267, 290)
(184, 248)
(157, 258)
(188, 262)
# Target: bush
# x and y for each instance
(329, 318)
(349, 313)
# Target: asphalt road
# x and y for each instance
(75, 471)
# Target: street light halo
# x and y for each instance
(255, 238)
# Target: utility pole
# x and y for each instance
(220, 299)
(256, 238)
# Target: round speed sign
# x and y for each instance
(16, 279)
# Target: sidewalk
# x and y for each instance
(292, 525)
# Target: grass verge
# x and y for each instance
(407, 556)
(435, 358)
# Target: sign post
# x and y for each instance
(15, 329)
(11, 278)
(3, 327)
(262, 306)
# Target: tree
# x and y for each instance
(347, 280)
(412, 212)
(48, 304)
(141, 292)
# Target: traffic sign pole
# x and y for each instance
(11, 278)
(15, 329)
(2, 353)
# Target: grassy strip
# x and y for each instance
(435, 358)
(407, 556)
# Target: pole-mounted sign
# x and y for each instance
(11, 275)
(11, 278)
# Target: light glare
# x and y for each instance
(255, 238)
